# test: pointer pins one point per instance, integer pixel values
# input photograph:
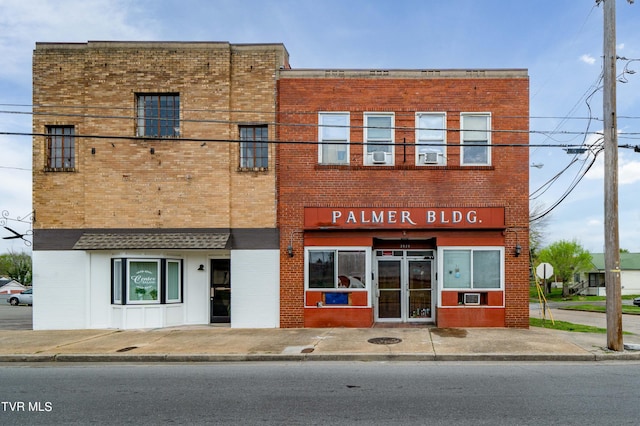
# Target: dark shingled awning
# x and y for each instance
(110, 241)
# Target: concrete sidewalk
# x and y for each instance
(219, 344)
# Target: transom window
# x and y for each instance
(336, 268)
(254, 150)
(158, 115)
(146, 281)
(333, 134)
(379, 138)
(476, 268)
(476, 139)
(61, 147)
(430, 139)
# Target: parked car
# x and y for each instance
(24, 298)
(636, 301)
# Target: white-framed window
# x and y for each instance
(139, 281)
(431, 139)
(333, 135)
(116, 279)
(346, 268)
(475, 138)
(477, 268)
(379, 139)
(173, 281)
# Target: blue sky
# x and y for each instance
(558, 41)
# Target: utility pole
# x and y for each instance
(611, 232)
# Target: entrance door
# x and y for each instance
(404, 286)
(220, 290)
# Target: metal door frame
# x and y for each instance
(404, 259)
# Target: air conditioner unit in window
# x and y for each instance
(378, 157)
(430, 157)
(472, 298)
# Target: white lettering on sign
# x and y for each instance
(406, 218)
(431, 217)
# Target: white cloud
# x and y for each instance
(588, 59)
(22, 24)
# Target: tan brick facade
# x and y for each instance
(192, 182)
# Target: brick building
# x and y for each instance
(403, 197)
(391, 197)
(145, 214)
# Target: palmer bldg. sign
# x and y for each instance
(405, 218)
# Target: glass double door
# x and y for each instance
(404, 287)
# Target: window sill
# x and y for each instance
(252, 169)
(59, 169)
(399, 167)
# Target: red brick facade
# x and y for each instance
(304, 183)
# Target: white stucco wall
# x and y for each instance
(61, 298)
(255, 289)
(72, 290)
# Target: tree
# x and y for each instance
(16, 266)
(567, 258)
(537, 228)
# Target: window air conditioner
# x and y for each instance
(472, 298)
(379, 157)
(430, 158)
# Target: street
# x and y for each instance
(15, 317)
(322, 393)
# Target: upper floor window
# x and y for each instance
(158, 115)
(254, 150)
(475, 139)
(379, 138)
(430, 139)
(333, 134)
(61, 147)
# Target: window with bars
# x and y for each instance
(158, 115)
(254, 150)
(61, 149)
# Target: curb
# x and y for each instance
(213, 358)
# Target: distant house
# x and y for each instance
(10, 286)
(629, 277)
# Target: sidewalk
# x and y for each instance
(219, 344)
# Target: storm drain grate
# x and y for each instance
(384, 340)
(127, 349)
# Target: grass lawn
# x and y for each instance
(556, 296)
(565, 326)
(634, 310)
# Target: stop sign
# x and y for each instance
(544, 271)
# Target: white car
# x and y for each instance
(24, 298)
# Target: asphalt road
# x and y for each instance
(15, 317)
(319, 393)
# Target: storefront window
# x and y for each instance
(336, 268)
(143, 281)
(472, 268)
(146, 281)
(173, 281)
(117, 281)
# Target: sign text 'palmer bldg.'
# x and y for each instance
(406, 218)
